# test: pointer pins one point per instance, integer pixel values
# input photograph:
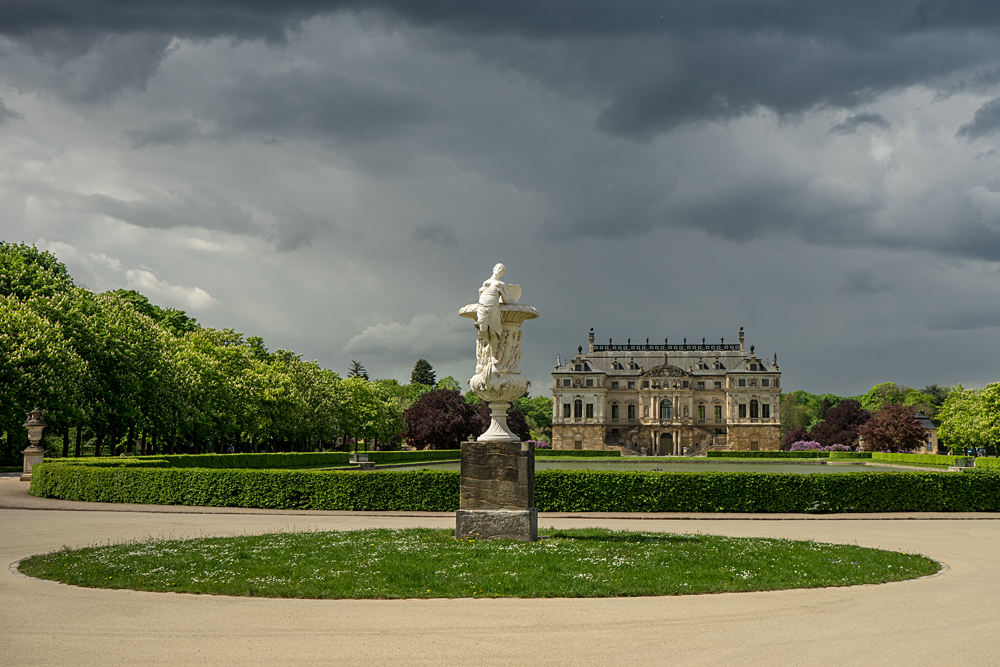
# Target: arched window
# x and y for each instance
(754, 409)
(666, 409)
(578, 408)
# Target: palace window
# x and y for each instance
(718, 413)
(701, 413)
(631, 385)
(685, 384)
(645, 384)
(754, 409)
(666, 410)
(742, 382)
(743, 410)
(631, 412)
(590, 410)
(614, 411)
(765, 383)
(765, 410)
(590, 382)
(566, 382)
(614, 385)
(701, 385)
(754, 445)
(578, 408)
(567, 410)
(718, 385)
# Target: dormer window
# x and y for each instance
(753, 367)
(579, 367)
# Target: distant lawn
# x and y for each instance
(430, 563)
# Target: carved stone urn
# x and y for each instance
(498, 379)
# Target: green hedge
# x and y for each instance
(988, 462)
(579, 453)
(258, 461)
(768, 455)
(939, 459)
(850, 455)
(555, 490)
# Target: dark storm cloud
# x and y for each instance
(855, 122)
(7, 114)
(170, 210)
(296, 228)
(169, 132)
(301, 103)
(437, 233)
(985, 122)
(652, 65)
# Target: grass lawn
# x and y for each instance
(430, 563)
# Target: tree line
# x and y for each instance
(115, 373)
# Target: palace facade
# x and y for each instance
(666, 398)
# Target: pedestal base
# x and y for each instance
(520, 525)
(497, 498)
(32, 457)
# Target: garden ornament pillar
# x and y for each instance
(498, 470)
(34, 454)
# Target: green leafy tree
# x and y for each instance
(883, 394)
(368, 411)
(971, 419)
(449, 383)
(423, 373)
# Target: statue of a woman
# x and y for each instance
(491, 295)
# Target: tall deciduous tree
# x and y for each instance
(841, 424)
(441, 419)
(894, 428)
(423, 373)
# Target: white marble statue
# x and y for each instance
(498, 318)
(488, 320)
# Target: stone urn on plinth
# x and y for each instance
(34, 453)
(498, 470)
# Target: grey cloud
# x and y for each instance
(306, 103)
(986, 121)
(170, 132)
(966, 320)
(865, 281)
(853, 123)
(437, 233)
(7, 114)
(297, 228)
(171, 210)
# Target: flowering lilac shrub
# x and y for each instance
(806, 446)
(813, 446)
(541, 444)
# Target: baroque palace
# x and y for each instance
(667, 399)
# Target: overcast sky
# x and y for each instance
(340, 178)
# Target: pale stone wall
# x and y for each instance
(767, 437)
(577, 436)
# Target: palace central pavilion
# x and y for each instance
(667, 399)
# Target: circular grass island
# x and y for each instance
(431, 563)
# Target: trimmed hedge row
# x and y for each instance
(555, 490)
(268, 460)
(769, 455)
(850, 455)
(579, 453)
(939, 459)
(988, 462)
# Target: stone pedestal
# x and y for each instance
(497, 492)
(32, 457)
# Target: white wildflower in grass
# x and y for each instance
(431, 563)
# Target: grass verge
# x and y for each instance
(430, 563)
